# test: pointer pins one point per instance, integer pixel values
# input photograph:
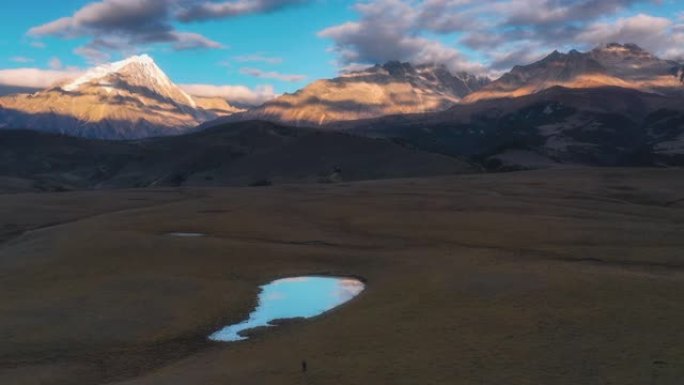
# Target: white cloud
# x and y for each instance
(92, 55)
(55, 63)
(257, 73)
(21, 59)
(190, 40)
(205, 10)
(35, 77)
(258, 58)
(644, 30)
(233, 93)
(473, 35)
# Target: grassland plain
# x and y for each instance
(548, 277)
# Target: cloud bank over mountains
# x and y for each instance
(495, 35)
(240, 95)
(126, 27)
(465, 35)
(34, 79)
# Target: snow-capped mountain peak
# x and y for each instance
(140, 72)
(127, 99)
(104, 70)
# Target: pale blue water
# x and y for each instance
(300, 297)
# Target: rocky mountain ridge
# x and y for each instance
(392, 88)
(614, 65)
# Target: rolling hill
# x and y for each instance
(246, 153)
(606, 126)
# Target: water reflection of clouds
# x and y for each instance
(347, 289)
(274, 296)
(293, 279)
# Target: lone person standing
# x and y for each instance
(304, 366)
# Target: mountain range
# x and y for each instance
(606, 126)
(616, 65)
(134, 99)
(616, 105)
(392, 88)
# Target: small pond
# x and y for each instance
(186, 235)
(288, 298)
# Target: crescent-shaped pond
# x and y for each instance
(297, 297)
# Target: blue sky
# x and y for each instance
(284, 44)
(289, 37)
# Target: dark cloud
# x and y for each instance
(498, 33)
(389, 30)
(142, 20)
(125, 25)
(206, 10)
(469, 35)
(504, 61)
(544, 12)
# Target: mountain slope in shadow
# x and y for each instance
(606, 126)
(246, 153)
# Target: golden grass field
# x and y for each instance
(572, 277)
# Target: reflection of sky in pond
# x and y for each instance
(301, 297)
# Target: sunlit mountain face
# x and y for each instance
(392, 88)
(400, 88)
(85, 67)
(615, 105)
(134, 98)
(128, 99)
(442, 76)
(615, 65)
